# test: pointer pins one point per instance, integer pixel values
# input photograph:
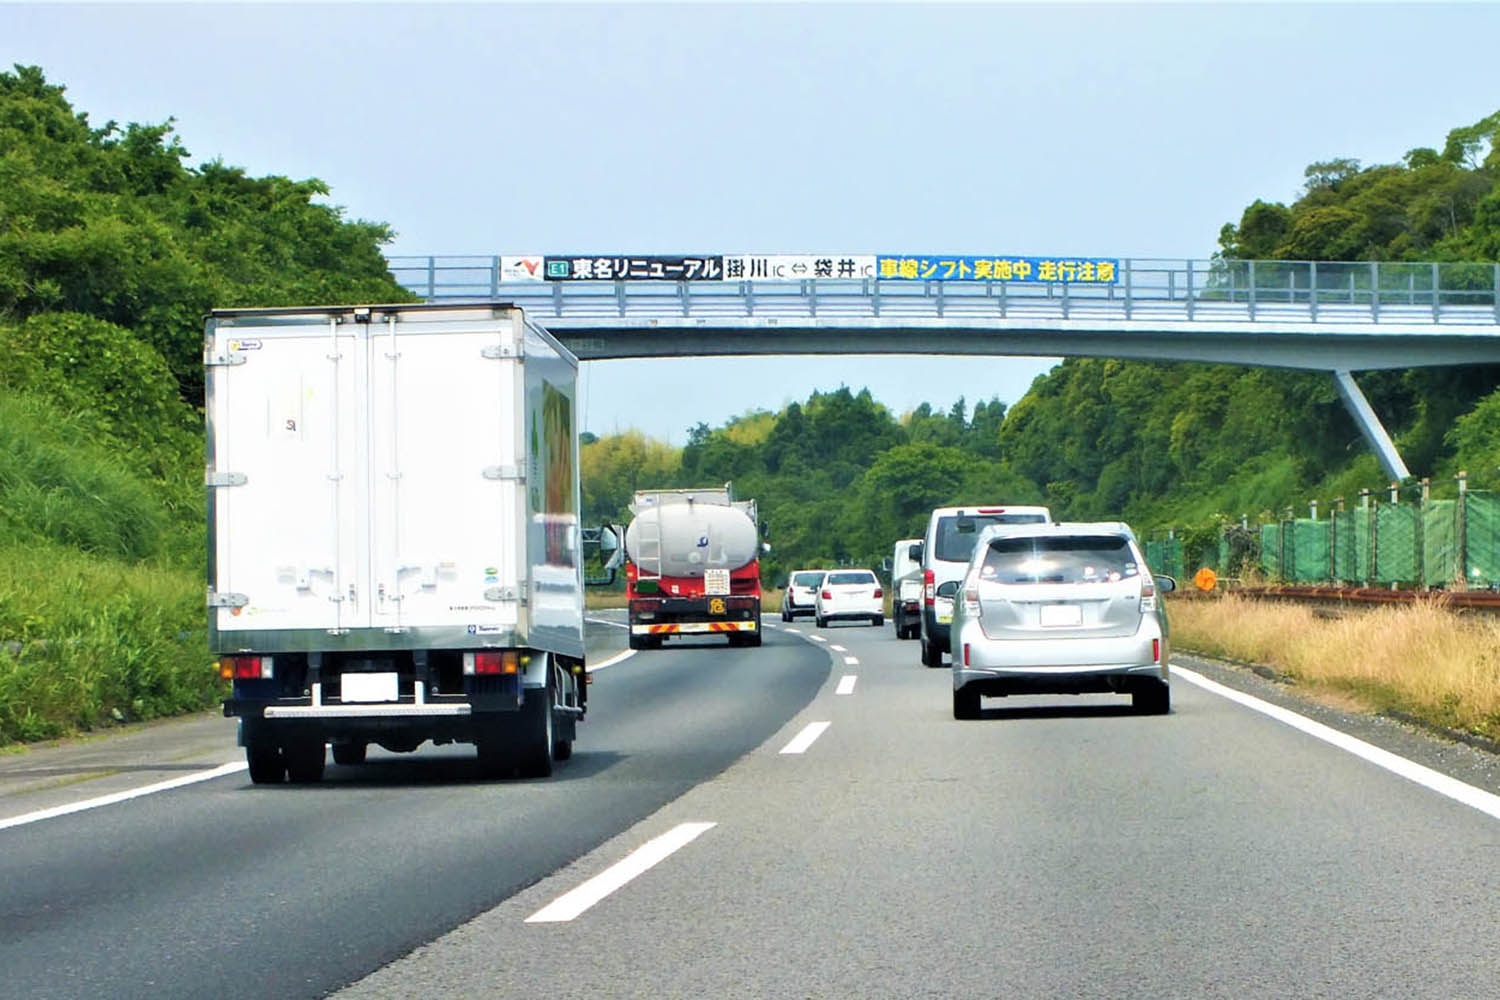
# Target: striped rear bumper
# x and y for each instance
(684, 628)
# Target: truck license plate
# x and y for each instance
(368, 687)
(716, 581)
(716, 606)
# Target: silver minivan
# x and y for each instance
(951, 532)
(1060, 608)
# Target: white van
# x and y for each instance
(946, 548)
(906, 588)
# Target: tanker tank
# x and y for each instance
(694, 537)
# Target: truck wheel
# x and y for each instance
(349, 753)
(750, 638)
(965, 703)
(562, 749)
(304, 761)
(638, 642)
(266, 765)
(537, 735)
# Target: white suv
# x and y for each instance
(850, 593)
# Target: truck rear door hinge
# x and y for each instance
(227, 600)
(495, 352)
(513, 593)
(225, 479)
(517, 471)
(225, 360)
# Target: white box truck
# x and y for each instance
(394, 543)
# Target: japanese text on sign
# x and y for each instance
(654, 267)
(1072, 270)
(795, 267)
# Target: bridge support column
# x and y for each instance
(1369, 425)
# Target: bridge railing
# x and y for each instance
(1145, 289)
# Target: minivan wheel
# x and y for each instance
(965, 703)
(1155, 698)
(931, 655)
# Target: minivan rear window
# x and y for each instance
(807, 579)
(851, 578)
(954, 545)
(1070, 559)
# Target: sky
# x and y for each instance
(1113, 130)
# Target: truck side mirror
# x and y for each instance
(885, 565)
(915, 551)
(611, 553)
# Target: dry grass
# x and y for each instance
(1421, 659)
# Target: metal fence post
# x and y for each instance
(1375, 291)
(1461, 511)
(1189, 264)
(431, 277)
(1129, 290)
(1497, 293)
(1312, 289)
(1436, 305)
(1251, 278)
(494, 277)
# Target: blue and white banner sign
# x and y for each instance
(940, 267)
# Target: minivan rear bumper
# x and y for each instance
(1005, 666)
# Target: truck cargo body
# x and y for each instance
(393, 533)
(693, 567)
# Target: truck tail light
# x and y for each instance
(1148, 594)
(489, 662)
(245, 668)
(929, 588)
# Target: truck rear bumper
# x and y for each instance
(695, 628)
(364, 711)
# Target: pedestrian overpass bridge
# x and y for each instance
(1335, 317)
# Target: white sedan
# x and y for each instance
(850, 593)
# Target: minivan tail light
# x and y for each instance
(827, 595)
(1148, 594)
(966, 654)
(971, 602)
(929, 589)
(1155, 650)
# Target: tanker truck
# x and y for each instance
(692, 566)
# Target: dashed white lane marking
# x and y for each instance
(795, 631)
(806, 737)
(851, 661)
(1477, 798)
(618, 657)
(836, 646)
(817, 638)
(642, 859)
(604, 621)
(846, 684)
(232, 767)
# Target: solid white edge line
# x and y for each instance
(621, 656)
(1476, 798)
(851, 661)
(805, 738)
(603, 621)
(846, 684)
(232, 767)
(574, 902)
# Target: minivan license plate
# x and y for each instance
(1057, 615)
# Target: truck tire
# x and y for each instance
(304, 761)
(349, 753)
(537, 734)
(266, 764)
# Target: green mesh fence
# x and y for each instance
(1306, 551)
(1396, 544)
(1439, 542)
(1482, 539)
(1364, 521)
(1341, 538)
(1270, 550)
(1164, 555)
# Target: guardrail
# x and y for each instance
(1457, 294)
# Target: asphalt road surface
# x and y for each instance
(223, 889)
(1057, 847)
